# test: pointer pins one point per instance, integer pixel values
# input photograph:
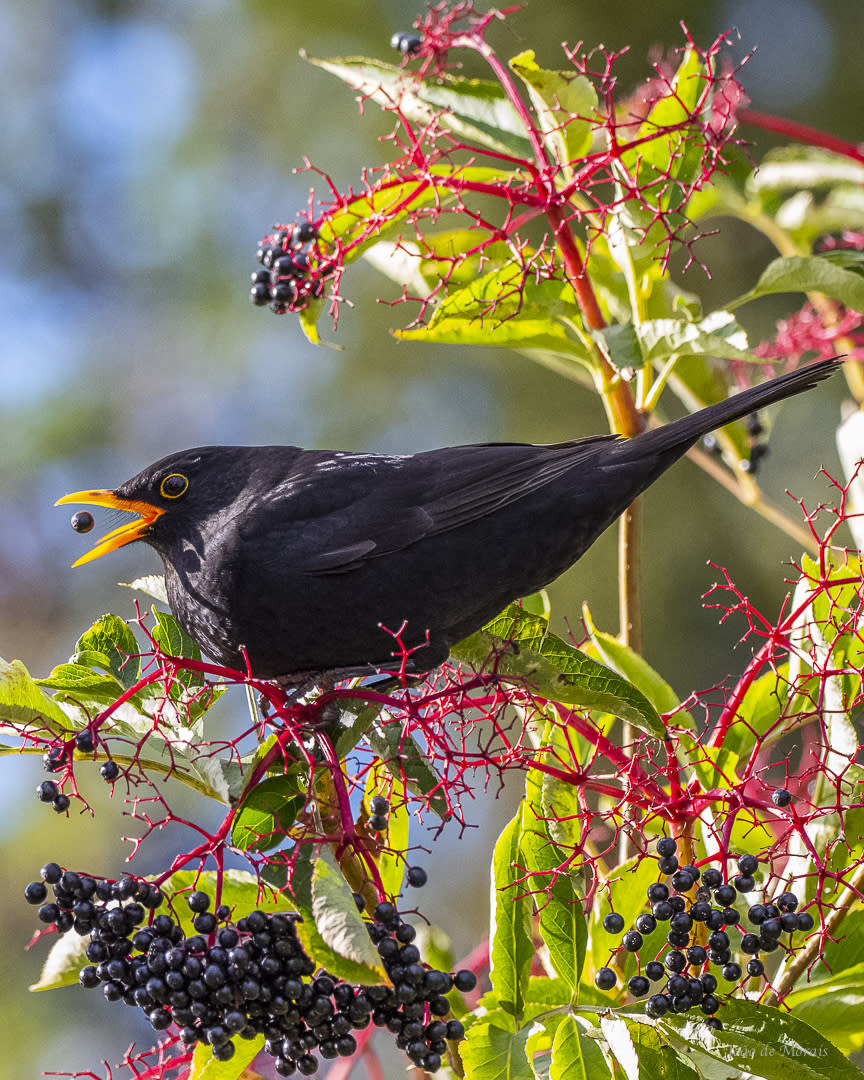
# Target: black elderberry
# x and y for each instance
(654, 970)
(613, 923)
(731, 972)
(646, 924)
(304, 232)
(805, 920)
(678, 903)
(781, 797)
(416, 876)
(755, 967)
(678, 938)
(109, 771)
(725, 895)
(682, 882)
(789, 921)
(223, 1051)
(47, 791)
(768, 944)
(662, 911)
(748, 864)
(709, 1004)
(709, 982)
(205, 923)
(749, 944)
(666, 845)
(787, 901)
(657, 1005)
(771, 928)
(744, 883)
(697, 955)
(711, 878)
(605, 978)
(48, 913)
(681, 1003)
(757, 914)
(378, 823)
(675, 961)
(198, 901)
(719, 939)
(35, 892)
(259, 294)
(678, 985)
(464, 980)
(681, 922)
(657, 892)
(638, 986)
(53, 759)
(632, 941)
(668, 864)
(700, 911)
(406, 43)
(714, 1023)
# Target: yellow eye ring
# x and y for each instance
(174, 485)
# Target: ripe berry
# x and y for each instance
(781, 797)
(84, 741)
(662, 911)
(714, 1023)
(379, 805)
(377, 823)
(654, 970)
(304, 232)
(749, 944)
(35, 892)
(668, 864)
(409, 44)
(605, 979)
(632, 941)
(787, 901)
(658, 891)
(667, 845)
(805, 920)
(657, 1005)
(709, 982)
(731, 972)
(646, 924)
(748, 864)
(744, 883)
(638, 986)
(198, 901)
(47, 791)
(697, 955)
(416, 876)
(725, 895)
(675, 961)
(613, 923)
(464, 980)
(259, 294)
(110, 771)
(755, 967)
(711, 878)
(709, 1004)
(682, 881)
(62, 803)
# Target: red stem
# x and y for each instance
(800, 133)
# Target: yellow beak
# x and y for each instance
(117, 538)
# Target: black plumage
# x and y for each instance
(311, 561)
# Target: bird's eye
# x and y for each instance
(174, 485)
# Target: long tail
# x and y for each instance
(681, 434)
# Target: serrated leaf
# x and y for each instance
(310, 937)
(336, 916)
(641, 1052)
(173, 639)
(23, 704)
(474, 109)
(265, 816)
(110, 637)
(511, 947)
(65, 959)
(807, 273)
(564, 102)
(83, 684)
(833, 1005)
(563, 927)
(206, 1067)
(519, 646)
(401, 755)
(490, 1053)
(762, 1040)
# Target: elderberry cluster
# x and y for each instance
(697, 934)
(244, 979)
(287, 282)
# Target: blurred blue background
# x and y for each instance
(145, 148)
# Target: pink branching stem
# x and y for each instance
(800, 133)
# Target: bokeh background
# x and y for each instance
(144, 148)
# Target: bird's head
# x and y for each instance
(172, 498)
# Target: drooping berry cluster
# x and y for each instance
(288, 280)
(240, 980)
(697, 934)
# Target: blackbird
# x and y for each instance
(312, 561)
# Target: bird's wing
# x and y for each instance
(352, 508)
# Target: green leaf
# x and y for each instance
(717, 335)
(401, 755)
(511, 943)
(23, 704)
(565, 104)
(833, 1005)
(490, 1053)
(206, 1067)
(62, 964)
(151, 585)
(762, 1040)
(336, 916)
(567, 1060)
(563, 927)
(519, 646)
(631, 666)
(641, 1052)
(267, 813)
(621, 345)
(473, 109)
(808, 273)
(111, 638)
(172, 639)
(82, 684)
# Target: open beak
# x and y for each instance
(117, 538)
